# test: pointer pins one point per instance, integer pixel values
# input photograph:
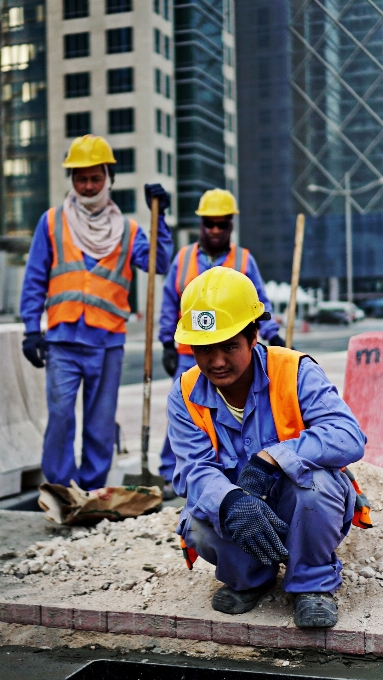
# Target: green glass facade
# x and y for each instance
(199, 88)
(24, 152)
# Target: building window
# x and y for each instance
(17, 56)
(229, 89)
(119, 40)
(168, 125)
(229, 122)
(157, 41)
(120, 80)
(120, 120)
(126, 160)
(76, 45)
(77, 85)
(117, 6)
(77, 124)
(125, 199)
(159, 160)
(227, 15)
(229, 56)
(74, 9)
(169, 164)
(158, 121)
(167, 47)
(168, 93)
(156, 6)
(166, 10)
(157, 80)
(230, 155)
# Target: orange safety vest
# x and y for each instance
(187, 270)
(282, 371)
(100, 294)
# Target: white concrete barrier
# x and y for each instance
(22, 411)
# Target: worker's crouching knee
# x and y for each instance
(329, 498)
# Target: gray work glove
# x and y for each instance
(170, 358)
(253, 525)
(257, 477)
(34, 349)
(277, 341)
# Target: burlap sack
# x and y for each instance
(74, 506)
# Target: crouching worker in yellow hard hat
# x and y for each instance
(214, 248)
(260, 435)
(80, 268)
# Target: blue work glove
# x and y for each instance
(257, 477)
(277, 341)
(170, 358)
(253, 525)
(34, 349)
(157, 191)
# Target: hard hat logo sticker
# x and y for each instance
(203, 321)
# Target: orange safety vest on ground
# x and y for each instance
(187, 270)
(282, 371)
(100, 294)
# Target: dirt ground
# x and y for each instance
(137, 565)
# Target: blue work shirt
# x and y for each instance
(331, 440)
(36, 281)
(171, 301)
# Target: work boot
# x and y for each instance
(315, 610)
(168, 491)
(231, 601)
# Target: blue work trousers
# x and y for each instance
(100, 370)
(318, 517)
(168, 459)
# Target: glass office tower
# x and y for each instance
(336, 78)
(264, 145)
(199, 83)
(24, 153)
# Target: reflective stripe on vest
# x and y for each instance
(78, 290)
(282, 371)
(187, 271)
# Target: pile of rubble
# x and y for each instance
(137, 563)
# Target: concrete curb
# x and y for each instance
(188, 628)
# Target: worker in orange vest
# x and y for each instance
(80, 269)
(259, 434)
(214, 248)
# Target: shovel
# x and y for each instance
(146, 478)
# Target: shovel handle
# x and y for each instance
(298, 246)
(148, 362)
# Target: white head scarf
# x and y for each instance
(96, 223)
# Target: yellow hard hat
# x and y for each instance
(217, 203)
(217, 305)
(87, 151)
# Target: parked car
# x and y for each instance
(373, 308)
(336, 312)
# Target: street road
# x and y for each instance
(320, 338)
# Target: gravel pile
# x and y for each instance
(101, 557)
(137, 564)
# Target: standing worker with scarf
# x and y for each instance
(79, 268)
(214, 248)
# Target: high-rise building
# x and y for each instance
(206, 108)
(264, 147)
(106, 68)
(312, 113)
(24, 150)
